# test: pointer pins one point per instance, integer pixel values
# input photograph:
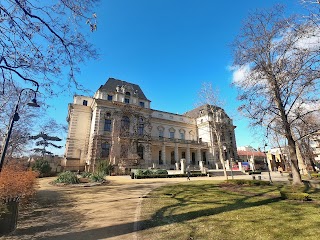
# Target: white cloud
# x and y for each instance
(239, 73)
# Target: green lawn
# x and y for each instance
(207, 210)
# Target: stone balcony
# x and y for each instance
(177, 140)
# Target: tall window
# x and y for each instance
(141, 104)
(204, 157)
(161, 133)
(172, 158)
(109, 97)
(85, 103)
(183, 155)
(182, 136)
(160, 158)
(127, 100)
(107, 125)
(105, 150)
(140, 151)
(171, 135)
(141, 126)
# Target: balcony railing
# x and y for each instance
(177, 140)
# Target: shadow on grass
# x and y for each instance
(177, 194)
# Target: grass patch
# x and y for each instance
(211, 210)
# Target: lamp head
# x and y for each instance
(33, 103)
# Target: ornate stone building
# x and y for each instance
(118, 125)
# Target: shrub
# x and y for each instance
(315, 175)
(104, 167)
(97, 177)
(16, 183)
(160, 171)
(67, 177)
(43, 167)
(86, 174)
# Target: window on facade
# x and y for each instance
(160, 158)
(171, 135)
(128, 93)
(85, 103)
(141, 104)
(107, 125)
(183, 155)
(105, 150)
(140, 151)
(125, 124)
(141, 127)
(127, 100)
(160, 133)
(172, 158)
(109, 97)
(182, 136)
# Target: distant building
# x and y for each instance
(255, 158)
(118, 125)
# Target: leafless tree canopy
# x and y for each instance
(276, 64)
(39, 40)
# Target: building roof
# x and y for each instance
(251, 153)
(112, 84)
(206, 108)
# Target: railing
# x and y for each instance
(177, 140)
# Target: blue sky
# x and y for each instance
(169, 48)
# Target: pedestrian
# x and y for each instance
(188, 172)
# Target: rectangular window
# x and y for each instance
(127, 100)
(141, 129)
(109, 97)
(107, 125)
(171, 135)
(182, 136)
(160, 134)
(105, 150)
(85, 103)
(142, 104)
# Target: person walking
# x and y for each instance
(188, 172)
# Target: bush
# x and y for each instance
(97, 177)
(86, 175)
(104, 167)
(315, 175)
(160, 171)
(16, 183)
(43, 167)
(68, 178)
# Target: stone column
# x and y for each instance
(188, 154)
(176, 153)
(183, 165)
(163, 154)
(198, 155)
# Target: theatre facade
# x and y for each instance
(118, 125)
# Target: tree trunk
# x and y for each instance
(301, 164)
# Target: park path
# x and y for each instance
(101, 212)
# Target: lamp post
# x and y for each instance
(266, 162)
(16, 118)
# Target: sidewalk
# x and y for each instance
(101, 212)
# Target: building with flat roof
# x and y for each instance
(118, 125)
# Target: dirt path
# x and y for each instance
(102, 212)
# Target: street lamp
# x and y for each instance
(16, 118)
(266, 162)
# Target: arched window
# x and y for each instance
(140, 151)
(128, 94)
(105, 150)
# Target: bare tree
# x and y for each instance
(276, 66)
(209, 97)
(40, 40)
